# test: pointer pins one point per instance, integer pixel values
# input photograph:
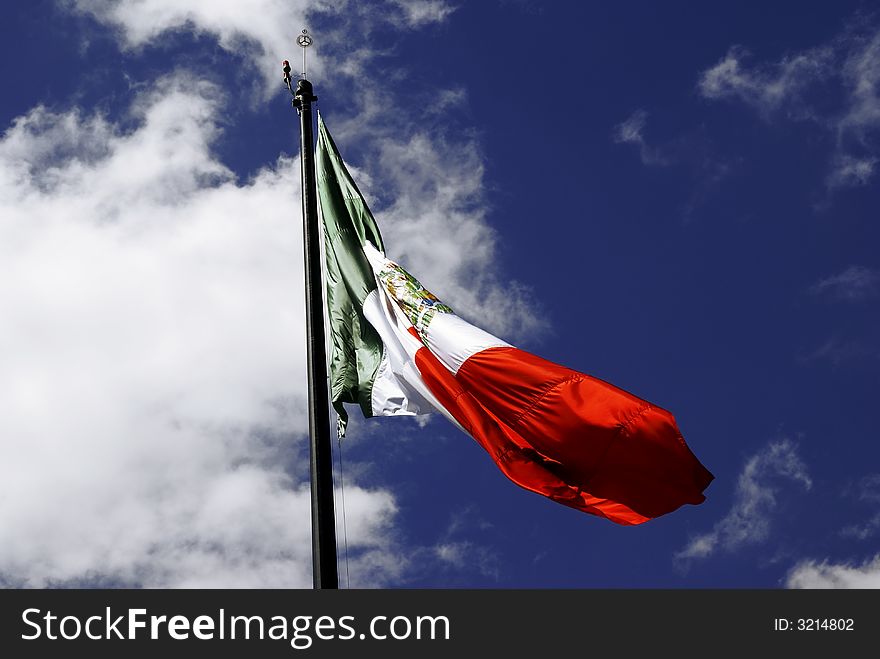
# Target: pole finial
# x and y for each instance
(304, 40)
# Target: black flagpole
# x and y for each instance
(324, 569)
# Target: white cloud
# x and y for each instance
(813, 574)
(854, 283)
(749, 519)
(433, 215)
(423, 12)
(153, 379)
(262, 32)
(850, 171)
(861, 74)
(464, 555)
(766, 87)
(457, 550)
(692, 150)
(864, 530)
(846, 68)
(435, 225)
(631, 131)
(152, 348)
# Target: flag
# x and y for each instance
(396, 349)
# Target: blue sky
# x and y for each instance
(679, 199)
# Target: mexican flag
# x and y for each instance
(398, 350)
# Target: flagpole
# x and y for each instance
(324, 568)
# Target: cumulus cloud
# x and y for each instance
(154, 386)
(262, 32)
(432, 215)
(631, 131)
(750, 517)
(852, 284)
(814, 574)
(435, 226)
(152, 346)
(847, 68)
